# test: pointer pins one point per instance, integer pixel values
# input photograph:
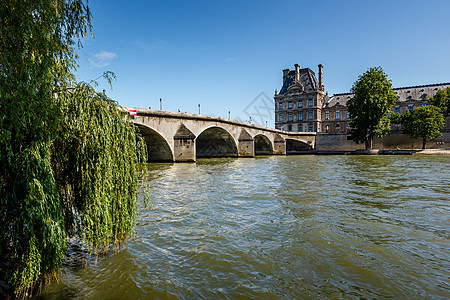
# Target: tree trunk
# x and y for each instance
(424, 142)
(369, 143)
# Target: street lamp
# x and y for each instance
(160, 103)
(199, 109)
(229, 116)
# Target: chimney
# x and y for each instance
(321, 87)
(297, 72)
(285, 74)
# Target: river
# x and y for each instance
(295, 227)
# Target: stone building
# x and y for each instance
(299, 103)
(302, 105)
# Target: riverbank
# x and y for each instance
(374, 152)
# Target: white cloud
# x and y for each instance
(105, 55)
(102, 59)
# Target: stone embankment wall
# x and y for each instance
(340, 142)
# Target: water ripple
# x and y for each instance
(300, 227)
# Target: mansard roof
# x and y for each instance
(409, 93)
(308, 81)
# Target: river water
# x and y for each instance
(295, 227)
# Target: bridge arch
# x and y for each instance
(215, 142)
(296, 145)
(263, 146)
(157, 147)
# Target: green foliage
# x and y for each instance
(95, 156)
(424, 122)
(442, 100)
(68, 156)
(368, 109)
(396, 118)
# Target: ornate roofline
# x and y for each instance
(403, 88)
(419, 86)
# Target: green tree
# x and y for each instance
(442, 100)
(368, 109)
(424, 122)
(68, 156)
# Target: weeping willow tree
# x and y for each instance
(68, 156)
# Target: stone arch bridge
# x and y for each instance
(184, 137)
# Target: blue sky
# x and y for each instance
(228, 55)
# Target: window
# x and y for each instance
(424, 104)
(397, 109)
(327, 115)
(300, 104)
(310, 102)
(337, 125)
(410, 108)
(348, 125)
(289, 127)
(280, 105)
(310, 128)
(310, 114)
(348, 114)
(290, 117)
(280, 117)
(289, 104)
(300, 127)
(300, 116)
(338, 114)
(327, 127)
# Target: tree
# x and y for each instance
(442, 100)
(68, 156)
(424, 122)
(368, 109)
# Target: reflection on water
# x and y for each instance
(282, 227)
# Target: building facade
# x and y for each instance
(302, 105)
(299, 103)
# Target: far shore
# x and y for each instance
(375, 152)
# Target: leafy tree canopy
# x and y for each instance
(368, 109)
(442, 100)
(424, 122)
(68, 155)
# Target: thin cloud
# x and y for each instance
(102, 59)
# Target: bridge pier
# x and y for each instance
(279, 145)
(246, 147)
(184, 145)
